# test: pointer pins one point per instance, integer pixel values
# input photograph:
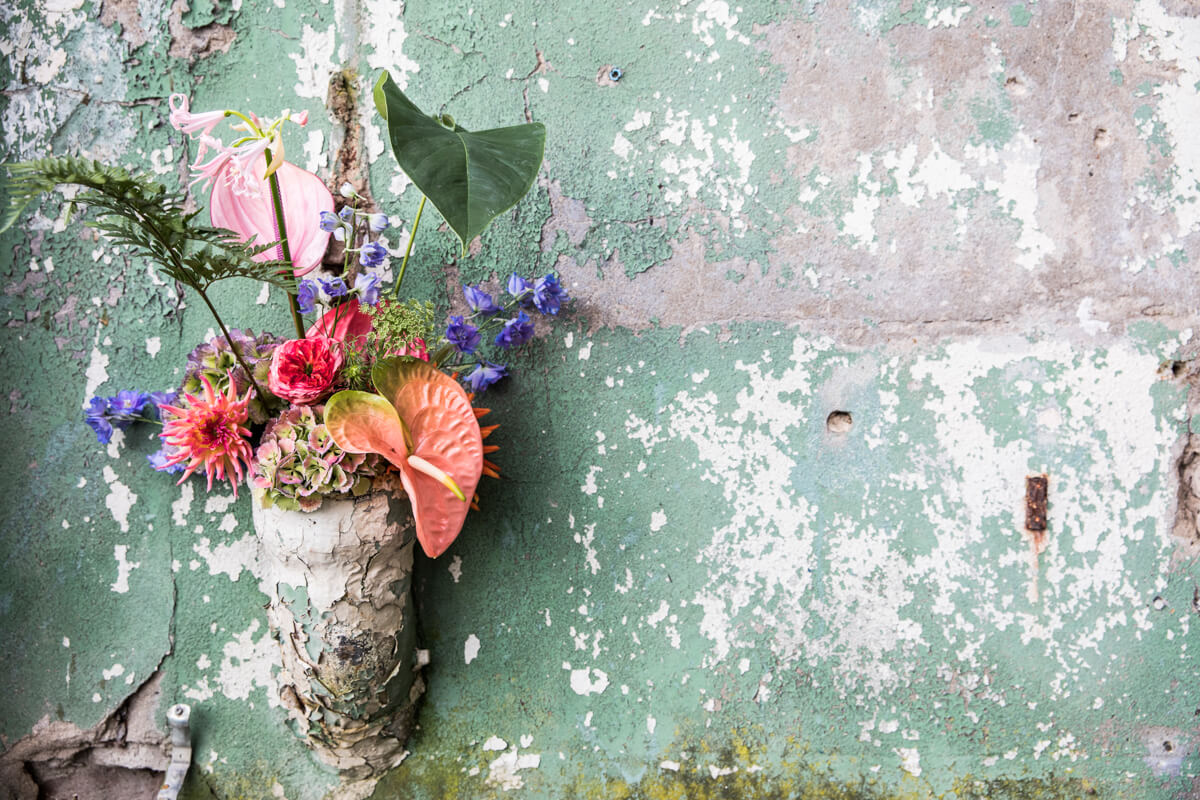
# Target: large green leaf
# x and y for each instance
(471, 178)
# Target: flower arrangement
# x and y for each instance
(369, 393)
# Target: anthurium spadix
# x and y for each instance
(422, 422)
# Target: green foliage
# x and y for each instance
(396, 325)
(137, 211)
(471, 178)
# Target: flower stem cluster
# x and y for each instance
(488, 319)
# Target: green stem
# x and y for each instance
(258, 392)
(285, 252)
(411, 236)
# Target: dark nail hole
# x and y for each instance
(1167, 746)
(839, 422)
(615, 74)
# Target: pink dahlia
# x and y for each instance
(209, 432)
(304, 371)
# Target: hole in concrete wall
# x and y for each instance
(839, 422)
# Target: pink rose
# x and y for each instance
(304, 371)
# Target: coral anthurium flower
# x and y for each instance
(423, 424)
(245, 207)
(209, 432)
(304, 371)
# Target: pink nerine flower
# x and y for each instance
(241, 195)
(304, 371)
(209, 432)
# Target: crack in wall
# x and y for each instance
(124, 755)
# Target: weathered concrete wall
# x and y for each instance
(974, 227)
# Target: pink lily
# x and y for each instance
(241, 201)
(189, 123)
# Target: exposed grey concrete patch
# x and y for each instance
(194, 43)
(568, 215)
(122, 756)
(127, 14)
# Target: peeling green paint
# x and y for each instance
(681, 557)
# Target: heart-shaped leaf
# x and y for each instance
(363, 422)
(444, 432)
(470, 178)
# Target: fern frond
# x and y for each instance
(137, 211)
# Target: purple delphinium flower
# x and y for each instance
(372, 254)
(306, 296)
(520, 288)
(329, 221)
(378, 222)
(97, 417)
(516, 332)
(548, 294)
(160, 399)
(367, 286)
(463, 335)
(480, 301)
(159, 459)
(485, 374)
(126, 405)
(335, 287)
(346, 214)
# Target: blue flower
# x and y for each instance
(346, 214)
(97, 417)
(548, 294)
(306, 296)
(485, 374)
(480, 301)
(378, 222)
(335, 287)
(329, 222)
(127, 404)
(516, 332)
(158, 460)
(157, 399)
(367, 287)
(340, 234)
(517, 286)
(372, 255)
(463, 335)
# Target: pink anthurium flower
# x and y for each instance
(249, 212)
(241, 196)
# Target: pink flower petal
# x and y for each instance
(250, 213)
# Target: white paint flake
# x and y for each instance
(495, 743)
(153, 345)
(124, 567)
(181, 507)
(585, 681)
(229, 558)
(96, 374)
(910, 760)
(119, 499)
(502, 772)
(455, 568)
(1090, 325)
(471, 648)
(314, 62)
(246, 665)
